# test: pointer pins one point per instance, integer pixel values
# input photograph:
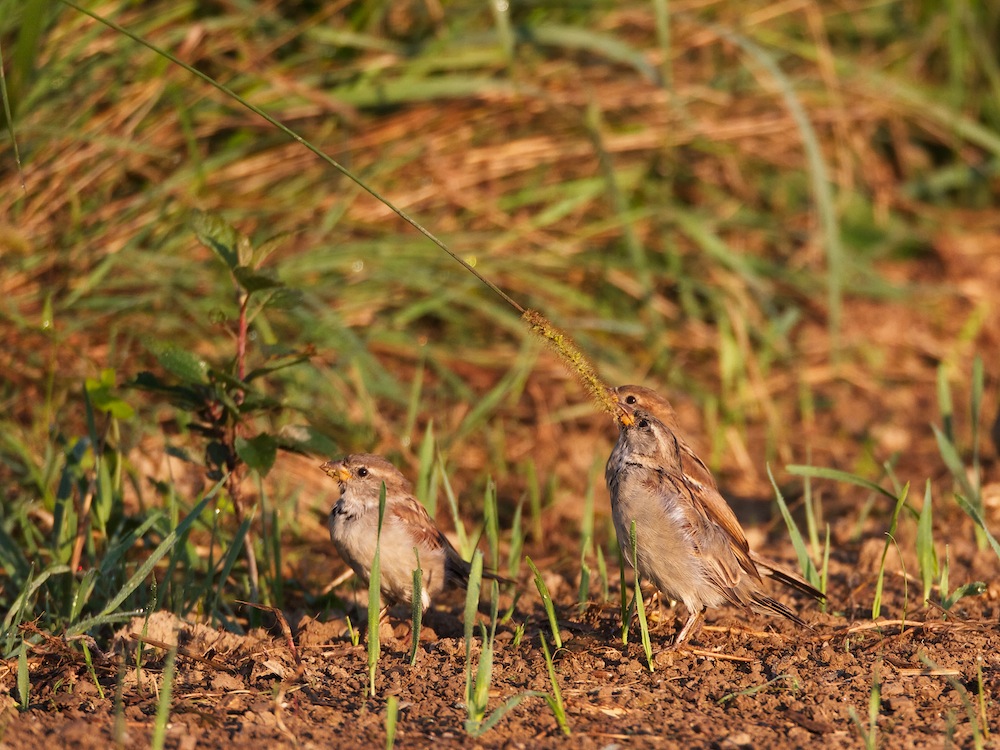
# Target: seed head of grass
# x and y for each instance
(575, 360)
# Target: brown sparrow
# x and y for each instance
(407, 531)
(689, 543)
(631, 397)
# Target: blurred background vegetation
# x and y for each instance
(781, 214)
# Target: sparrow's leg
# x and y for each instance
(691, 627)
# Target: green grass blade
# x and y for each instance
(640, 605)
(890, 537)
(375, 598)
(464, 547)
(391, 717)
(806, 565)
(927, 561)
(555, 700)
(472, 593)
(416, 607)
(147, 566)
(163, 704)
(973, 513)
(550, 612)
(23, 678)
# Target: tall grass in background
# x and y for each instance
(669, 230)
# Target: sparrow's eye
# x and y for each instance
(630, 400)
(362, 472)
(642, 424)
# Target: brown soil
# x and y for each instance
(743, 682)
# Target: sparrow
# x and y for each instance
(409, 539)
(631, 397)
(689, 543)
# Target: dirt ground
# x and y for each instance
(744, 681)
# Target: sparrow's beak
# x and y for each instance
(624, 415)
(336, 470)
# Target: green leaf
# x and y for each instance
(219, 236)
(187, 367)
(303, 438)
(23, 681)
(103, 399)
(975, 588)
(258, 452)
(806, 565)
(255, 280)
(285, 298)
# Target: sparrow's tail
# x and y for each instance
(787, 577)
(765, 604)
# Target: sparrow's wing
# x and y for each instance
(694, 468)
(413, 517)
(427, 536)
(718, 534)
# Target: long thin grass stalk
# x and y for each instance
(416, 607)
(375, 598)
(890, 537)
(550, 611)
(640, 605)
(806, 565)
(163, 704)
(554, 699)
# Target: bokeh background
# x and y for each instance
(782, 215)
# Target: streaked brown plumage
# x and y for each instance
(406, 526)
(690, 544)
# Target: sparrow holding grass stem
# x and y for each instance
(689, 543)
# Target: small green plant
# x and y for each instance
(550, 610)
(554, 699)
(973, 588)
(813, 511)
(118, 709)
(472, 592)
(977, 720)
(583, 597)
(869, 733)
(518, 634)
(223, 403)
(968, 480)
(163, 704)
(391, 718)
(478, 680)
(625, 610)
(491, 521)
(88, 660)
(890, 537)
(806, 565)
(927, 560)
(465, 544)
(375, 598)
(23, 677)
(352, 632)
(640, 606)
(427, 476)
(416, 608)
